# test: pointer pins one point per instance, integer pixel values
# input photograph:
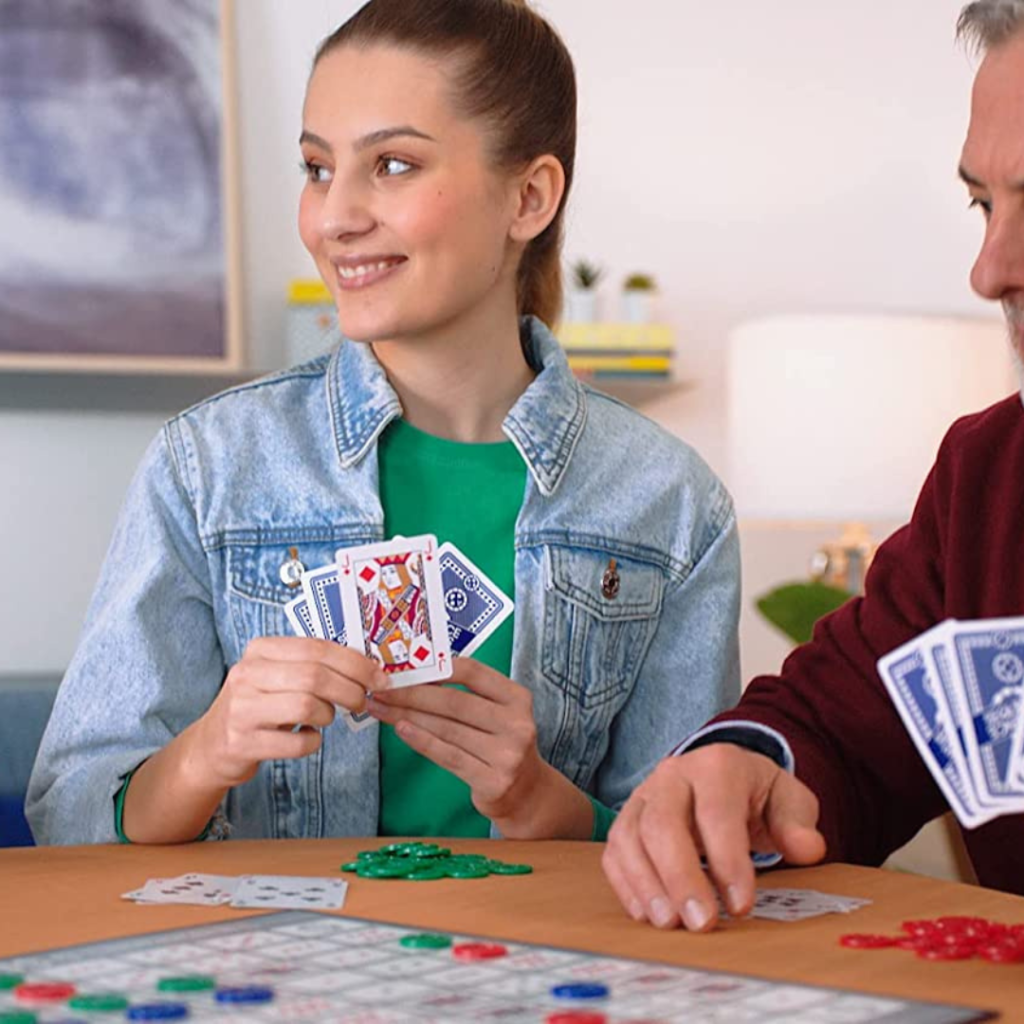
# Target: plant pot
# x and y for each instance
(637, 306)
(580, 306)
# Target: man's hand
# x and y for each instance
(719, 801)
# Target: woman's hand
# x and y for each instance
(487, 737)
(275, 701)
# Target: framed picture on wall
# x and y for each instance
(118, 215)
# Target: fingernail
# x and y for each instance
(696, 915)
(733, 899)
(661, 912)
(636, 911)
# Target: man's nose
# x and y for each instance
(999, 268)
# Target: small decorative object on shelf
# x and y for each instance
(638, 292)
(619, 352)
(581, 295)
(312, 321)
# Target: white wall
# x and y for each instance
(754, 157)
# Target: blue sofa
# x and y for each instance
(24, 710)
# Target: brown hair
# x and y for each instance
(517, 76)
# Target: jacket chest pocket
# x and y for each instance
(262, 579)
(599, 618)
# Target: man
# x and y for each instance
(959, 557)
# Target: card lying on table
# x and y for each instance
(958, 689)
(282, 892)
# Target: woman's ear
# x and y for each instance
(541, 187)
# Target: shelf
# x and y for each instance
(159, 393)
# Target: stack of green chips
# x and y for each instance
(427, 862)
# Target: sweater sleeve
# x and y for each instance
(828, 702)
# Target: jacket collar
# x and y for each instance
(545, 424)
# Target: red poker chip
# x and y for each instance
(962, 923)
(947, 952)
(478, 951)
(915, 943)
(575, 1017)
(44, 991)
(1003, 953)
(919, 927)
(859, 941)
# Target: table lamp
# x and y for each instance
(839, 417)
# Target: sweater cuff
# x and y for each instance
(750, 735)
(603, 818)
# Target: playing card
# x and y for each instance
(921, 704)
(988, 657)
(938, 656)
(800, 904)
(288, 892)
(320, 587)
(300, 616)
(475, 606)
(192, 888)
(393, 607)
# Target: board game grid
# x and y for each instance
(349, 970)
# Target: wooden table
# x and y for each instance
(60, 896)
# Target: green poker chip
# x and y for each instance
(187, 983)
(9, 981)
(17, 1017)
(427, 873)
(499, 867)
(102, 1002)
(425, 940)
(466, 870)
(383, 869)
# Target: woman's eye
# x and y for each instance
(981, 204)
(391, 166)
(316, 173)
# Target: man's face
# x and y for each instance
(992, 165)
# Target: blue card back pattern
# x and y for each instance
(991, 663)
(474, 605)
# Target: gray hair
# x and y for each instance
(988, 23)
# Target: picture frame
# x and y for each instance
(119, 211)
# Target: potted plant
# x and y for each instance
(581, 296)
(638, 292)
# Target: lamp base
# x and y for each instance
(845, 563)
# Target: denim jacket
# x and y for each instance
(194, 572)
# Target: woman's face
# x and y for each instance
(406, 218)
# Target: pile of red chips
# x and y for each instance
(951, 938)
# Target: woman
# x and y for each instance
(438, 145)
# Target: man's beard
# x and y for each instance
(1014, 312)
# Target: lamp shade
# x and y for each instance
(840, 417)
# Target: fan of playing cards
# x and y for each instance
(408, 603)
(958, 689)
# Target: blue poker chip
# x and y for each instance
(580, 990)
(246, 994)
(157, 1011)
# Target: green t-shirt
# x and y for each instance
(470, 495)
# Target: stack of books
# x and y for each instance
(618, 352)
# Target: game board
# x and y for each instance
(347, 970)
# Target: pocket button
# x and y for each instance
(292, 569)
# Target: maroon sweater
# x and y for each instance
(961, 556)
